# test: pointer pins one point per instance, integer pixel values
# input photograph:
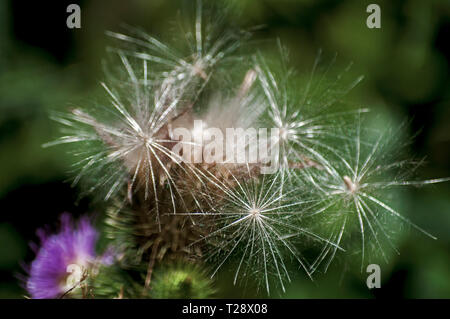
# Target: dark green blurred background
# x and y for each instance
(45, 66)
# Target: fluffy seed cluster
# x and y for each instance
(333, 173)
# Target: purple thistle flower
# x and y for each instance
(63, 258)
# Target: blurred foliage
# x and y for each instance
(45, 66)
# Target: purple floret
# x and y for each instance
(74, 244)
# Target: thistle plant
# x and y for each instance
(209, 159)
